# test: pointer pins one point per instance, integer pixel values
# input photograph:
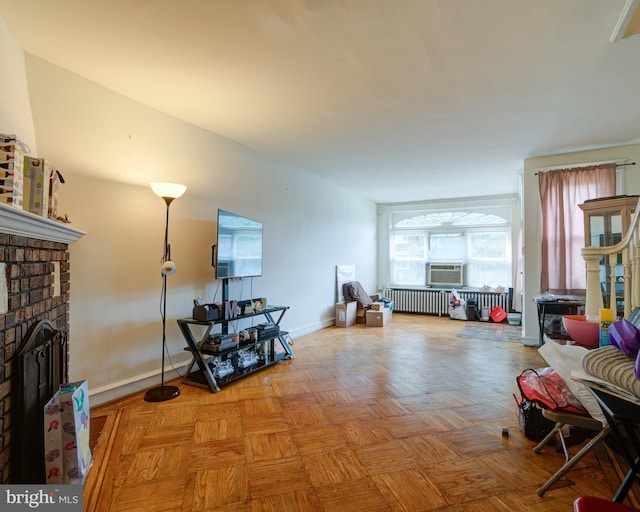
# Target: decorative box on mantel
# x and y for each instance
(34, 289)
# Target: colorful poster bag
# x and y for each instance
(66, 432)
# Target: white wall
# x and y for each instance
(532, 211)
(108, 149)
(15, 109)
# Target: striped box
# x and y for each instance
(11, 171)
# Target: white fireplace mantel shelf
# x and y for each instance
(15, 221)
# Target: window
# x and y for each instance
(447, 246)
(409, 256)
(489, 259)
(479, 238)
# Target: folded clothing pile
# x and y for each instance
(354, 292)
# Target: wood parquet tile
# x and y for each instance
(404, 418)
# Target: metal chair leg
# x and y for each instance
(548, 437)
(575, 459)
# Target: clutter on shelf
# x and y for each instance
(28, 182)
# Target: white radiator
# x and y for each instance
(436, 302)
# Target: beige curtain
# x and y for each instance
(561, 191)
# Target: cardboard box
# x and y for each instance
(360, 312)
(345, 314)
(37, 177)
(11, 172)
(379, 306)
(378, 318)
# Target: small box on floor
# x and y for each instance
(382, 303)
(361, 312)
(345, 314)
(378, 318)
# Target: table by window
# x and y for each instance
(550, 314)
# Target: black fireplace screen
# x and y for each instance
(41, 365)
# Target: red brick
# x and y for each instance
(28, 270)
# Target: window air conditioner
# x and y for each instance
(445, 274)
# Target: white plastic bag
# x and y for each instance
(564, 359)
(457, 307)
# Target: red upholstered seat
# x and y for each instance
(592, 504)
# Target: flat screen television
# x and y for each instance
(239, 246)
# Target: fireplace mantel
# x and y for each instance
(35, 280)
(15, 221)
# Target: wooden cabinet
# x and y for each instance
(607, 220)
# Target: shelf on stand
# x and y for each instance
(202, 368)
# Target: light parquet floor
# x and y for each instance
(402, 418)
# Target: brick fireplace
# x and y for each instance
(34, 287)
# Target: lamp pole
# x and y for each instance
(168, 192)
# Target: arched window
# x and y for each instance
(476, 240)
(457, 218)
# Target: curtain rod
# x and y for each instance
(592, 165)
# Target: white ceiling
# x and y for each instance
(448, 95)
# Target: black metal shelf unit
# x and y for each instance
(213, 368)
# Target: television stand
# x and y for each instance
(211, 367)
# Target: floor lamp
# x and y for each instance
(168, 192)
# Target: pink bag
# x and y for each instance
(547, 388)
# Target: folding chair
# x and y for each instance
(561, 418)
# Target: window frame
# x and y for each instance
(505, 205)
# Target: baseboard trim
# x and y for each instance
(116, 390)
(134, 384)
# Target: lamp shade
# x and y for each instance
(164, 189)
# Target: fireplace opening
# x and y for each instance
(40, 368)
